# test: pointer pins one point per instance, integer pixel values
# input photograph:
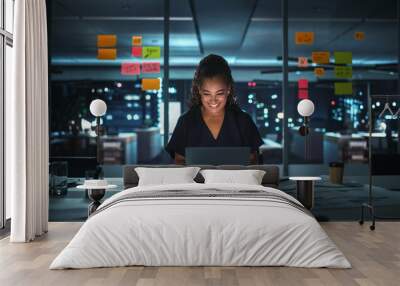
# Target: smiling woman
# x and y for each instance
(214, 119)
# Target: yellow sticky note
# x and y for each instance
(150, 83)
(304, 38)
(320, 57)
(107, 54)
(343, 88)
(150, 52)
(359, 36)
(106, 41)
(343, 72)
(343, 57)
(319, 72)
(136, 40)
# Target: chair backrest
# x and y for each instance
(385, 164)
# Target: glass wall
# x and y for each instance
(339, 52)
(350, 45)
(251, 45)
(113, 52)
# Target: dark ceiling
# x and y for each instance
(247, 33)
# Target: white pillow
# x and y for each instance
(164, 176)
(248, 177)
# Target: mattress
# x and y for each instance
(201, 225)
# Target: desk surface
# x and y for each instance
(305, 178)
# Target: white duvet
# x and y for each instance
(200, 231)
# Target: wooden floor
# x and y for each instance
(375, 257)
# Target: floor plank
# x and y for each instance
(375, 257)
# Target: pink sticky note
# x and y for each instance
(302, 94)
(130, 68)
(137, 52)
(303, 83)
(150, 67)
(302, 62)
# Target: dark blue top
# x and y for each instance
(238, 129)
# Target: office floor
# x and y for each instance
(332, 202)
(374, 255)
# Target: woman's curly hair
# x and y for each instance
(209, 67)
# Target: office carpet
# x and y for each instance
(332, 202)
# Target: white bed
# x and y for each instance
(185, 230)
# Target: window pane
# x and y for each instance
(8, 89)
(2, 175)
(1, 16)
(9, 9)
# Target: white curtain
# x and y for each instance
(27, 123)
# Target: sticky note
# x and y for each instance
(150, 83)
(343, 88)
(107, 54)
(106, 41)
(343, 72)
(343, 57)
(302, 94)
(302, 62)
(151, 52)
(320, 57)
(303, 83)
(136, 40)
(130, 68)
(137, 51)
(150, 67)
(304, 38)
(359, 36)
(319, 72)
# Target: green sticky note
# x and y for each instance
(343, 72)
(343, 88)
(343, 57)
(151, 52)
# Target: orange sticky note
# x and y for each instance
(320, 57)
(304, 38)
(302, 62)
(150, 83)
(359, 36)
(302, 94)
(137, 52)
(107, 54)
(130, 68)
(150, 67)
(106, 41)
(136, 40)
(319, 72)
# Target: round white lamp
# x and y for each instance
(98, 108)
(305, 108)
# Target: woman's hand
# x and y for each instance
(253, 158)
(179, 159)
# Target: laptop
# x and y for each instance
(217, 155)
